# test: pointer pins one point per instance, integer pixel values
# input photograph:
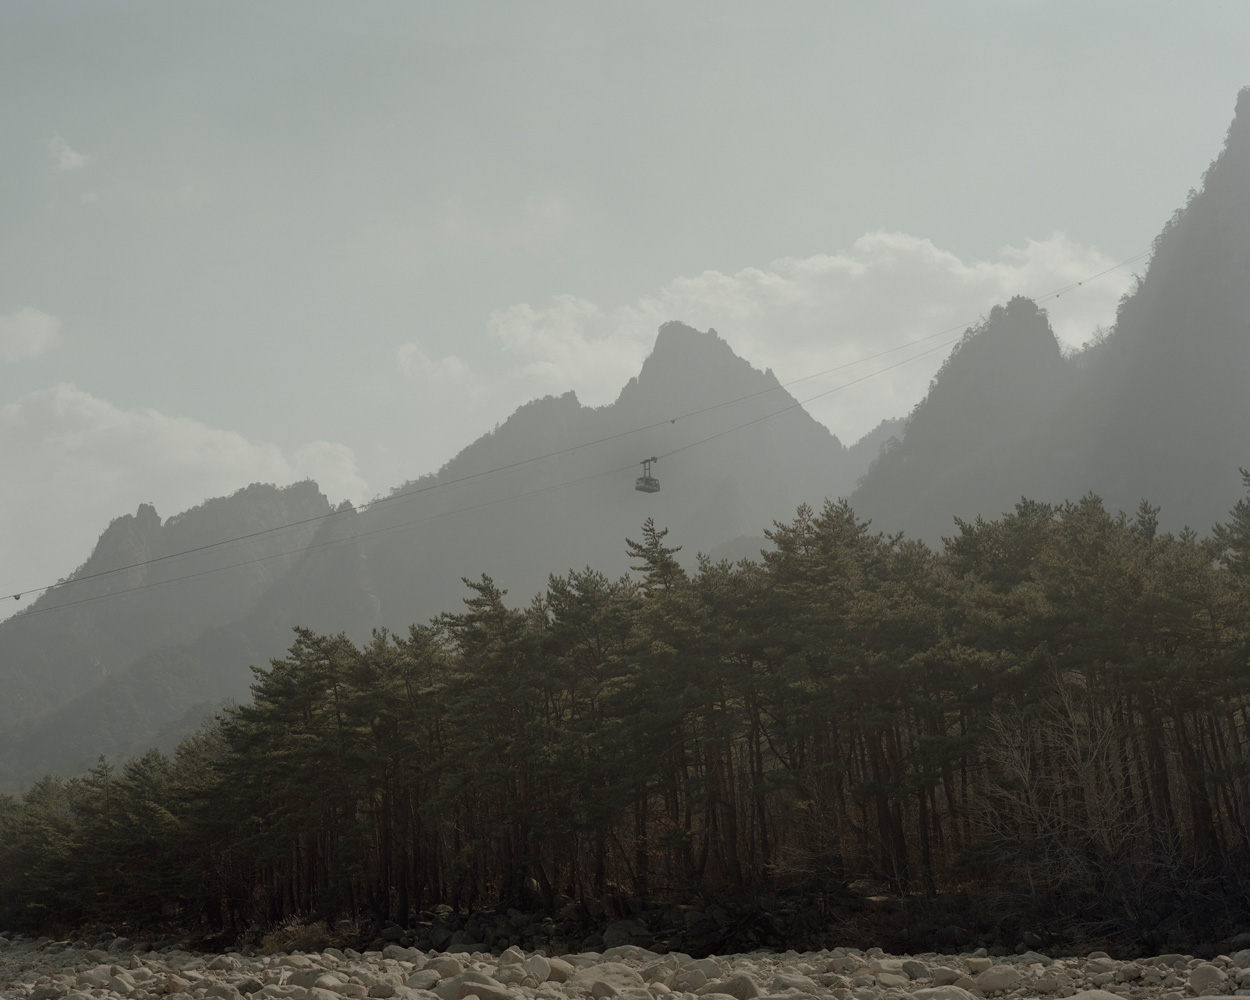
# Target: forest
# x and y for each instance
(1048, 715)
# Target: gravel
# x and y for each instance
(47, 970)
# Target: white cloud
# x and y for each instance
(65, 157)
(73, 462)
(27, 333)
(797, 316)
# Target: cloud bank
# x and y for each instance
(797, 316)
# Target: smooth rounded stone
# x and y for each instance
(942, 976)
(1094, 995)
(453, 988)
(224, 991)
(978, 963)
(689, 981)
(284, 992)
(512, 956)
(399, 953)
(512, 974)
(615, 974)
(844, 964)
(223, 963)
(893, 980)
(998, 978)
(537, 966)
(915, 970)
(1207, 980)
(713, 968)
(249, 985)
(793, 981)
(1240, 959)
(741, 987)
(423, 979)
(561, 971)
(317, 993)
(947, 992)
(1052, 982)
(486, 991)
(446, 966)
(294, 962)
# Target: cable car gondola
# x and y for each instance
(647, 483)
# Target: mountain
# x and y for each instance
(1158, 410)
(550, 489)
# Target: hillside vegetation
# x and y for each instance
(1048, 714)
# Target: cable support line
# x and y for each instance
(328, 543)
(797, 404)
(488, 503)
(496, 470)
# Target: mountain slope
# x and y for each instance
(1159, 411)
(551, 489)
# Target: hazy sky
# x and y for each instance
(245, 241)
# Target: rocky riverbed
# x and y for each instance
(47, 970)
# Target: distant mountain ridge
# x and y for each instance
(1157, 410)
(548, 490)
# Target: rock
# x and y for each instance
(446, 966)
(561, 971)
(485, 991)
(1240, 959)
(689, 980)
(741, 987)
(943, 976)
(893, 980)
(249, 985)
(1094, 995)
(453, 988)
(783, 981)
(423, 979)
(512, 956)
(538, 967)
(222, 990)
(942, 993)
(1207, 980)
(615, 974)
(223, 963)
(997, 978)
(317, 993)
(915, 970)
(401, 954)
(306, 978)
(977, 963)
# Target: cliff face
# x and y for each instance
(997, 393)
(1168, 403)
(123, 603)
(1159, 412)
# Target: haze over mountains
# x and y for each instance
(1157, 410)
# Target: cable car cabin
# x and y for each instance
(647, 483)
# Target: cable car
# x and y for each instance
(647, 483)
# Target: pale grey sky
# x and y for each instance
(247, 241)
